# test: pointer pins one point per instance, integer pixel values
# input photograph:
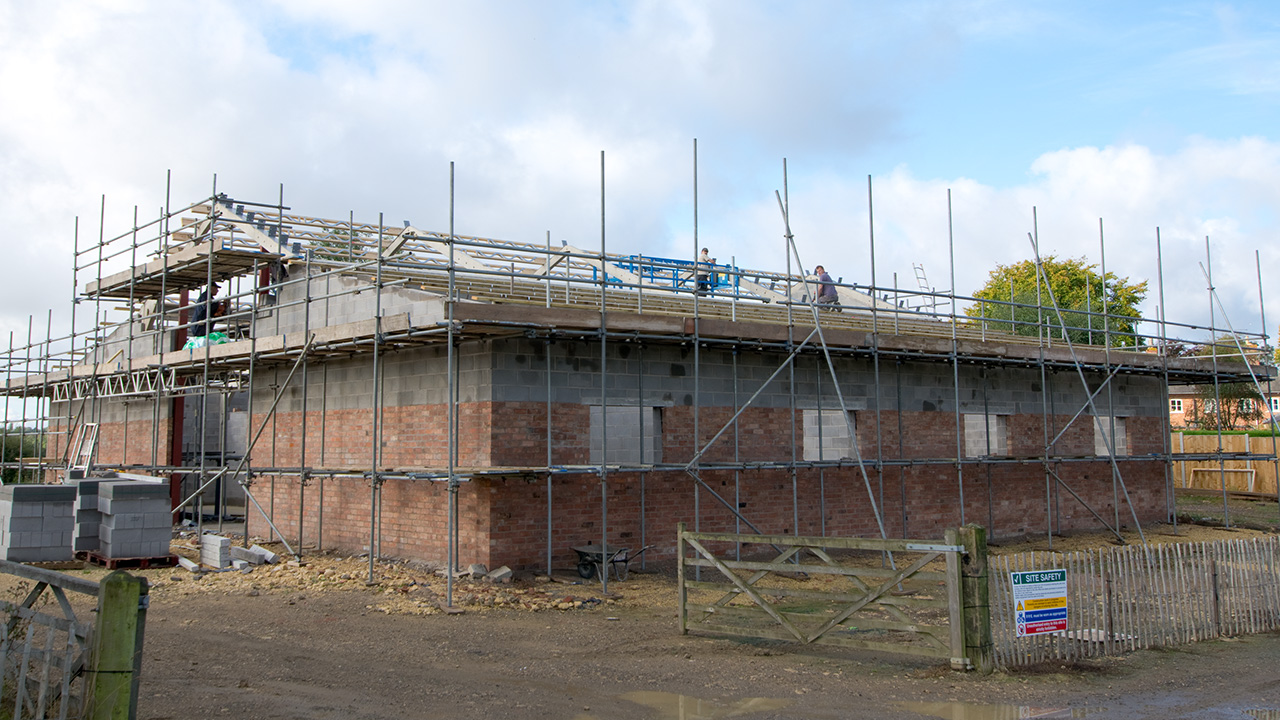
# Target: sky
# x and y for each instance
(1091, 124)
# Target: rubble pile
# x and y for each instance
(402, 588)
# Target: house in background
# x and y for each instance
(1190, 408)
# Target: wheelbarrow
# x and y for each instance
(594, 561)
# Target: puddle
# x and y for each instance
(977, 711)
(683, 707)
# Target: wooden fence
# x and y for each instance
(1243, 475)
(1126, 598)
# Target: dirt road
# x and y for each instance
(249, 648)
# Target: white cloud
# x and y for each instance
(361, 106)
(1222, 190)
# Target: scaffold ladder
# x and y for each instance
(85, 445)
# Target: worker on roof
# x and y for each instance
(827, 289)
(705, 261)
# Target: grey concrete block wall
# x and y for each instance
(413, 376)
(520, 368)
(826, 435)
(219, 410)
(350, 299)
(632, 435)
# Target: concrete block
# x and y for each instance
(501, 574)
(215, 551)
(118, 489)
(115, 506)
(37, 493)
(241, 554)
(121, 535)
(86, 528)
(86, 544)
(122, 521)
(266, 554)
(156, 548)
(27, 509)
(25, 524)
(158, 520)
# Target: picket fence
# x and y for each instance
(1127, 598)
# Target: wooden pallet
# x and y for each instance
(142, 563)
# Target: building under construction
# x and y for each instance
(423, 394)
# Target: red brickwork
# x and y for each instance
(119, 443)
(764, 434)
(503, 521)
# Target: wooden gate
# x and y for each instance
(53, 662)
(901, 596)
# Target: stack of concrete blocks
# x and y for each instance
(215, 551)
(137, 519)
(85, 537)
(36, 522)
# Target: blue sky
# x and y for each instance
(1144, 115)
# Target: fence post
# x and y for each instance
(680, 592)
(975, 593)
(117, 647)
(1214, 609)
(955, 603)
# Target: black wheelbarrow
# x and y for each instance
(594, 561)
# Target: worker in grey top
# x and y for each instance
(827, 291)
(703, 272)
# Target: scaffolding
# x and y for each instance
(305, 291)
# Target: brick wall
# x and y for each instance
(126, 434)
(503, 521)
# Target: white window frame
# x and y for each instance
(1274, 404)
(1175, 405)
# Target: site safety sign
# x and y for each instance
(1039, 601)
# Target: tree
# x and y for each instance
(1014, 299)
(19, 443)
(1229, 347)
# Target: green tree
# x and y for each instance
(1228, 347)
(18, 443)
(1014, 299)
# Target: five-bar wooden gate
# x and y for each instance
(901, 596)
(53, 662)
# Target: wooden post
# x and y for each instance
(680, 593)
(975, 592)
(1215, 615)
(117, 647)
(955, 603)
